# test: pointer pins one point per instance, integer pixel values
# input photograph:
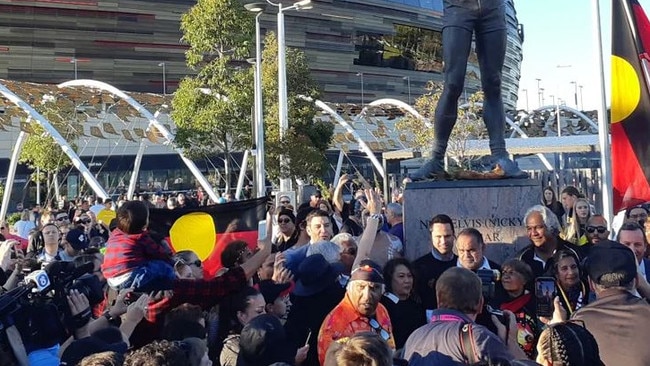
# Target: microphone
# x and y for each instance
(38, 280)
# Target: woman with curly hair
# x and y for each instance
(567, 344)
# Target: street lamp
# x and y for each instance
(552, 98)
(526, 92)
(541, 96)
(575, 93)
(74, 61)
(285, 183)
(408, 83)
(360, 74)
(582, 106)
(164, 77)
(260, 177)
(539, 92)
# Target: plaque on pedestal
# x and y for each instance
(496, 208)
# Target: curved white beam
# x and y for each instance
(352, 131)
(399, 104)
(11, 175)
(67, 149)
(152, 121)
(569, 109)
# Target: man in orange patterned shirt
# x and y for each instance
(359, 311)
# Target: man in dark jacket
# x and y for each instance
(317, 292)
(543, 229)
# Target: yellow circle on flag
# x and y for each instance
(194, 231)
(626, 89)
(106, 216)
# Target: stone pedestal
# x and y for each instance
(494, 207)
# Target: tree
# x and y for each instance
(40, 152)
(469, 125)
(212, 110)
(306, 140)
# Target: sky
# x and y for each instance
(561, 33)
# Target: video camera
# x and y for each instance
(39, 308)
(489, 278)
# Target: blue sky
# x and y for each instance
(561, 32)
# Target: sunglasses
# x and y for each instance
(285, 202)
(197, 263)
(350, 251)
(374, 324)
(284, 221)
(62, 218)
(87, 221)
(600, 229)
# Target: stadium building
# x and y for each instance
(358, 51)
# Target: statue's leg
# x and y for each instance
(491, 49)
(456, 44)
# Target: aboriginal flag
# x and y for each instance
(207, 230)
(630, 115)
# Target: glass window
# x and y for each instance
(410, 48)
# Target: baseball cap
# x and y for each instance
(77, 239)
(608, 257)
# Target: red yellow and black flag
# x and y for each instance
(630, 114)
(207, 230)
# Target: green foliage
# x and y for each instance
(212, 110)
(306, 140)
(220, 35)
(469, 124)
(217, 29)
(40, 150)
(13, 218)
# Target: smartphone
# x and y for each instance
(545, 292)
(261, 230)
(308, 338)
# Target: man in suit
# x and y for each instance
(431, 265)
(632, 236)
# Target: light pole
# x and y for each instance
(74, 61)
(164, 77)
(539, 92)
(541, 97)
(582, 106)
(408, 83)
(552, 98)
(260, 177)
(360, 74)
(526, 92)
(285, 183)
(575, 93)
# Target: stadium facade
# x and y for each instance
(395, 44)
(392, 47)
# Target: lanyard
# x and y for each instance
(566, 299)
(447, 318)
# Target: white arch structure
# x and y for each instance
(341, 121)
(564, 108)
(67, 149)
(153, 121)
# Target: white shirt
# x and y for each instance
(484, 265)
(23, 228)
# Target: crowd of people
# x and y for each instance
(327, 285)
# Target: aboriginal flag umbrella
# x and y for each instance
(207, 230)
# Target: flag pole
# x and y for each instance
(603, 123)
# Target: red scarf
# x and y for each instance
(516, 304)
